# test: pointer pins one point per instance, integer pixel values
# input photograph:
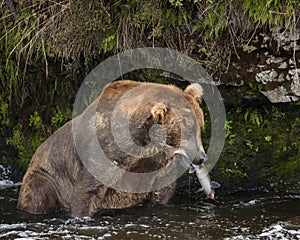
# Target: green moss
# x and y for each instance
(48, 48)
(25, 143)
(265, 149)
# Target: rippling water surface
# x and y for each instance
(240, 216)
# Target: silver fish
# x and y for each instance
(208, 186)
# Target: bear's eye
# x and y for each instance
(180, 120)
(189, 122)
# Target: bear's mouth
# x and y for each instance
(171, 152)
(183, 156)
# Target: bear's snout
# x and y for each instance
(200, 160)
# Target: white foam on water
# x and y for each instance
(99, 228)
(29, 235)
(4, 172)
(272, 230)
(59, 233)
(129, 225)
(12, 226)
(281, 230)
(77, 220)
(14, 232)
(6, 182)
(250, 203)
(5, 175)
(28, 238)
(144, 226)
(239, 237)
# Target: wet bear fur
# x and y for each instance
(57, 179)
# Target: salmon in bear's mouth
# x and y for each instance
(202, 174)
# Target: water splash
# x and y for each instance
(5, 178)
(5, 173)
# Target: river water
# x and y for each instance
(238, 216)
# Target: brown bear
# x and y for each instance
(57, 178)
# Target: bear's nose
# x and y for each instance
(200, 160)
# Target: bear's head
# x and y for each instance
(176, 117)
(135, 122)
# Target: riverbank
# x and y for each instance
(251, 50)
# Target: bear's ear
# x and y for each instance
(159, 111)
(196, 91)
